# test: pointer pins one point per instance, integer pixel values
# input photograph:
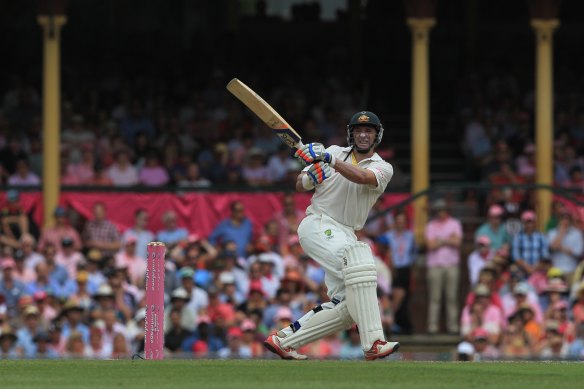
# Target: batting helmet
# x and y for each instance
(364, 118)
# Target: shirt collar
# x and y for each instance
(374, 157)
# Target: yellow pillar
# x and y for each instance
(51, 112)
(420, 154)
(544, 29)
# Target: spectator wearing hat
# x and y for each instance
(30, 256)
(23, 176)
(32, 326)
(229, 258)
(351, 348)
(229, 291)
(554, 292)
(43, 348)
(61, 230)
(402, 246)
(521, 294)
(199, 299)
(93, 264)
(8, 343)
(479, 258)
(256, 298)
(68, 257)
(565, 326)
(552, 345)
(47, 312)
(494, 228)
(530, 326)
(176, 334)
(482, 313)
(237, 228)
(250, 338)
(566, 245)
(529, 246)
(140, 232)
(73, 324)
(172, 233)
(135, 330)
(235, 349)
(74, 345)
(443, 239)
(100, 233)
(179, 300)
(10, 288)
(516, 344)
(129, 259)
(14, 220)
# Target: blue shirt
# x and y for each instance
(530, 247)
(174, 236)
(81, 328)
(402, 246)
(25, 342)
(226, 231)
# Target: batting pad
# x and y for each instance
(361, 283)
(313, 326)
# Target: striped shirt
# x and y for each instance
(530, 247)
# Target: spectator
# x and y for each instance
(494, 229)
(122, 172)
(235, 349)
(288, 221)
(529, 245)
(136, 122)
(402, 247)
(177, 334)
(254, 172)
(97, 348)
(249, 338)
(153, 174)
(8, 341)
(557, 209)
(56, 271)
(10, 288)
(100, 233)
(43, 347)
(128, 258)
(32, 326)
(521, 296)
(193, 178)
(482, 314)
(69, 258)
(443, 239)
(278, 164)
(236, 228)
(198, 297)
(23, 176)
(578, 308)
(44, 283)
(552, 345)
(484, 348)
(140, 232)
(62, 229)
(351, 348)
(179, 301)
(30, 256)
(14, 220)
(73, 326)
(82, 171)
(21, 272)
(171, 234)
(479, 258)
(566, 245)
(76, 137)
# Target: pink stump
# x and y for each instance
(153, 326)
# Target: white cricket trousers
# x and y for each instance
(325, 240)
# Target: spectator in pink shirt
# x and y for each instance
(62, 229)
(443, 240)
(69, 257)
(83, 170)
(153, 174)
(127, 258)
(122, 172)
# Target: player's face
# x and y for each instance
(364, 136)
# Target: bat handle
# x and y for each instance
(299, 144)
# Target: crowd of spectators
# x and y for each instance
(80, 293)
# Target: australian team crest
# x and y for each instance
(363, 118)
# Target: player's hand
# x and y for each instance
(318, 172)
(313, 152)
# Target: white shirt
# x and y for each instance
(347, 202)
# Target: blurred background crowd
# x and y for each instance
(144, 108)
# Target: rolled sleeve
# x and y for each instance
(383, 173)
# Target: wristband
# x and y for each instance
(333, 160)
(307, 183)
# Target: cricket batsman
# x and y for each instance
(347, 182)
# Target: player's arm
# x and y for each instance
(355, 174)
(299, 186)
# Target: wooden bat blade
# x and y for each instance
(265, 112)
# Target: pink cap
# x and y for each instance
(480, 333)
(131, 239)
(496, 210)
(193, 238)
(528, 215)
(560, 305)
(293, 240)
(484, 240)
(8, 263)
(248, 325)
(234, 332)
(283, 313)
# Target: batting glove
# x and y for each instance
(318, 172)
(313, 152)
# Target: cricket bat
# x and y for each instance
(265, 112)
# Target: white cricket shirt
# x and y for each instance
(347, 202)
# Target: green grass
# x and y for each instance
(285, 374)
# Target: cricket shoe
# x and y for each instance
(272, 343)
(381, 349)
